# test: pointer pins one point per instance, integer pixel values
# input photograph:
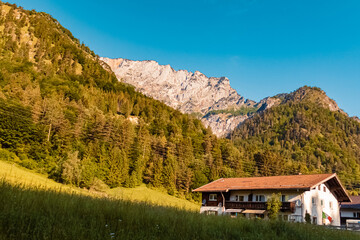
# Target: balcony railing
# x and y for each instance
(285, 206)
(212, 203)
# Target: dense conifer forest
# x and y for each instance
(63, 114)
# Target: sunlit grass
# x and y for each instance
(17, 175)
(151, 196)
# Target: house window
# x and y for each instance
(313, 201)
(356, 214)
(330, 205)
(239, 198)
(213, 197)
(260, 198)
(322, 202)
(314, 220)
(319, 187)
(283, 198)
(324, 189)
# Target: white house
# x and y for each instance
(317, 195)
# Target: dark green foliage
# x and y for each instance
(273, 206)
(307, 218)
(18, 131)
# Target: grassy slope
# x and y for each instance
(18, 175)
(48, 214)
(155, 197)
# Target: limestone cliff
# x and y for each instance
(189, 92)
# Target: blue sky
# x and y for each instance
(263, 47)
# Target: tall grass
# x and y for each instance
(18, 175)
(152, 196)
(15, 174)
(28, 213)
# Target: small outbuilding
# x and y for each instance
(350, 210)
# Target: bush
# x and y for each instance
(8, 156)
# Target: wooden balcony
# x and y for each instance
(285, 207)
(212, 203)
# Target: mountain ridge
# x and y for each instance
(194, 92)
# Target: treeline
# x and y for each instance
(301, 137)
(63, 114)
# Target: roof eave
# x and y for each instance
(250, 189)
(347, 197)
(199, 189)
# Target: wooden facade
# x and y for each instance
(285, 207)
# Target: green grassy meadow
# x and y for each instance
(151, 196)
(34, 207)
(15, 174)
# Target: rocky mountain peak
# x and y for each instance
(313, 95)
(190, 92)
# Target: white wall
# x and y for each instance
(290, 195)
(316, 209)
(305, 203)
(348, 212)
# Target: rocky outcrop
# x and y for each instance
(223, 124)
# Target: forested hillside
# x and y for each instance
(302, 135)
(63, 114)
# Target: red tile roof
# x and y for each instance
(275, 182)
(355, 200)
